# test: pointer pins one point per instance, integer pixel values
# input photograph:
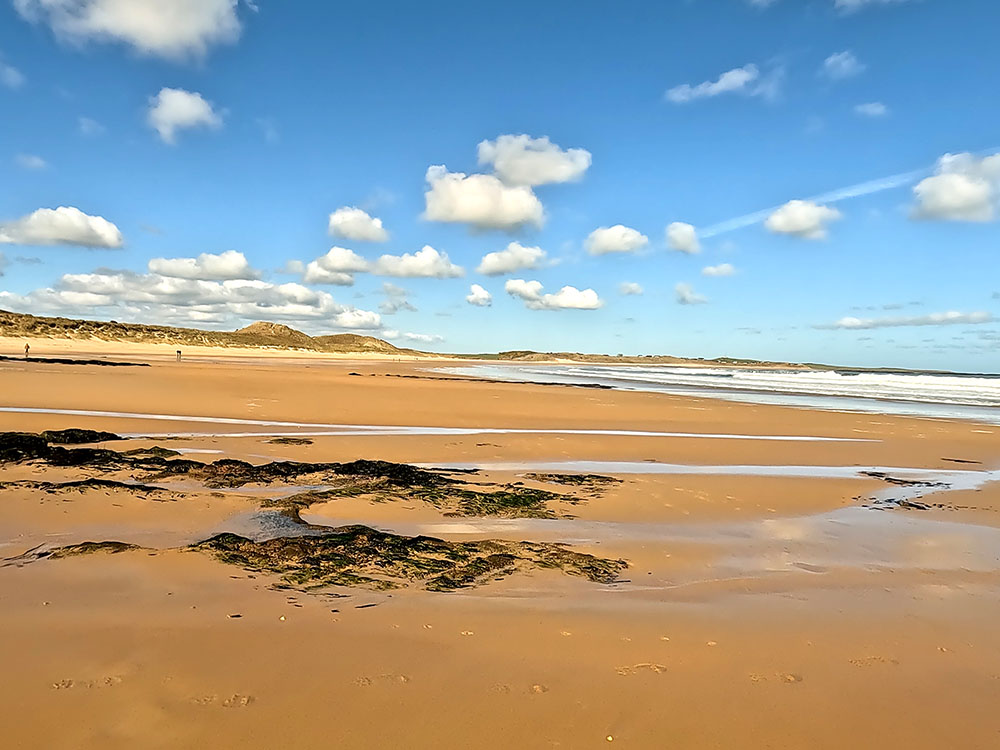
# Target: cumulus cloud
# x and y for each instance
(523, 160)
(479, 297)
(841, 65)
(357, 319)
(64, 225)
(683, 238)
(172, 110)
(161, 299)
(355, 224)
(723, 269)
(871, 109)
(746, 81)
(396, 299)
(337, 266)
(629, 288)
(229, 265)
(567, 298)
(687, 296)
(963, 188)
(162, 28)
(934, 319)
(514, 257)
(480, 200)
(30, 161)
(425, 263)
(803, 219)
(616, 239)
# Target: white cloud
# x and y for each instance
(803, 219)
(963, 188)
(314, 273)
(871, 109)
(344, 260)
(395, 299)
(420, 338)
(687, 296)
(849, 6)
(165, 300)
(31, 161)
(723, 269)
(629, 288)
(357, 319)
(523, 160)
(90, 127)
(164, 28)
(10, 77)
(514, 257)
(481, 200)
(425, 263)
(841, 65)
(337, 266)
(229, 265)
(567, 298)
(355, 224)
(616, 239)
(746, 80)
(479, 297)
(64, 225)
(176, 109)
(934, 319)
(683, 238)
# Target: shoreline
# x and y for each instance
(772, 609)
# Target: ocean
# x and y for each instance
(969, 397)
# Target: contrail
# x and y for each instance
(852, 191)
(833, 196)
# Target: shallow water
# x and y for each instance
(307, 429)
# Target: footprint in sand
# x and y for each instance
(641, 667)
(392, 677)
(237, 700)
(786, 677)
(871, 661)
(102, 682)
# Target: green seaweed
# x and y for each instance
(90, 548)
(360, 556)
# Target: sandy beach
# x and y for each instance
(788, 578)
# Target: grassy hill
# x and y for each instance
(255, 336)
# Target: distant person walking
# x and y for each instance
(27, 349)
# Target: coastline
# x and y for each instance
(795, 598)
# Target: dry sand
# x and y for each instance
(757, 611)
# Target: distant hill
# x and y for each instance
(258, 335)
(265, 335)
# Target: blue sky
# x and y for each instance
(168, 130)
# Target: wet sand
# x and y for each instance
(757, 611)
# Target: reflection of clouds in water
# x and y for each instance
(939, 550)
(788, 529)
